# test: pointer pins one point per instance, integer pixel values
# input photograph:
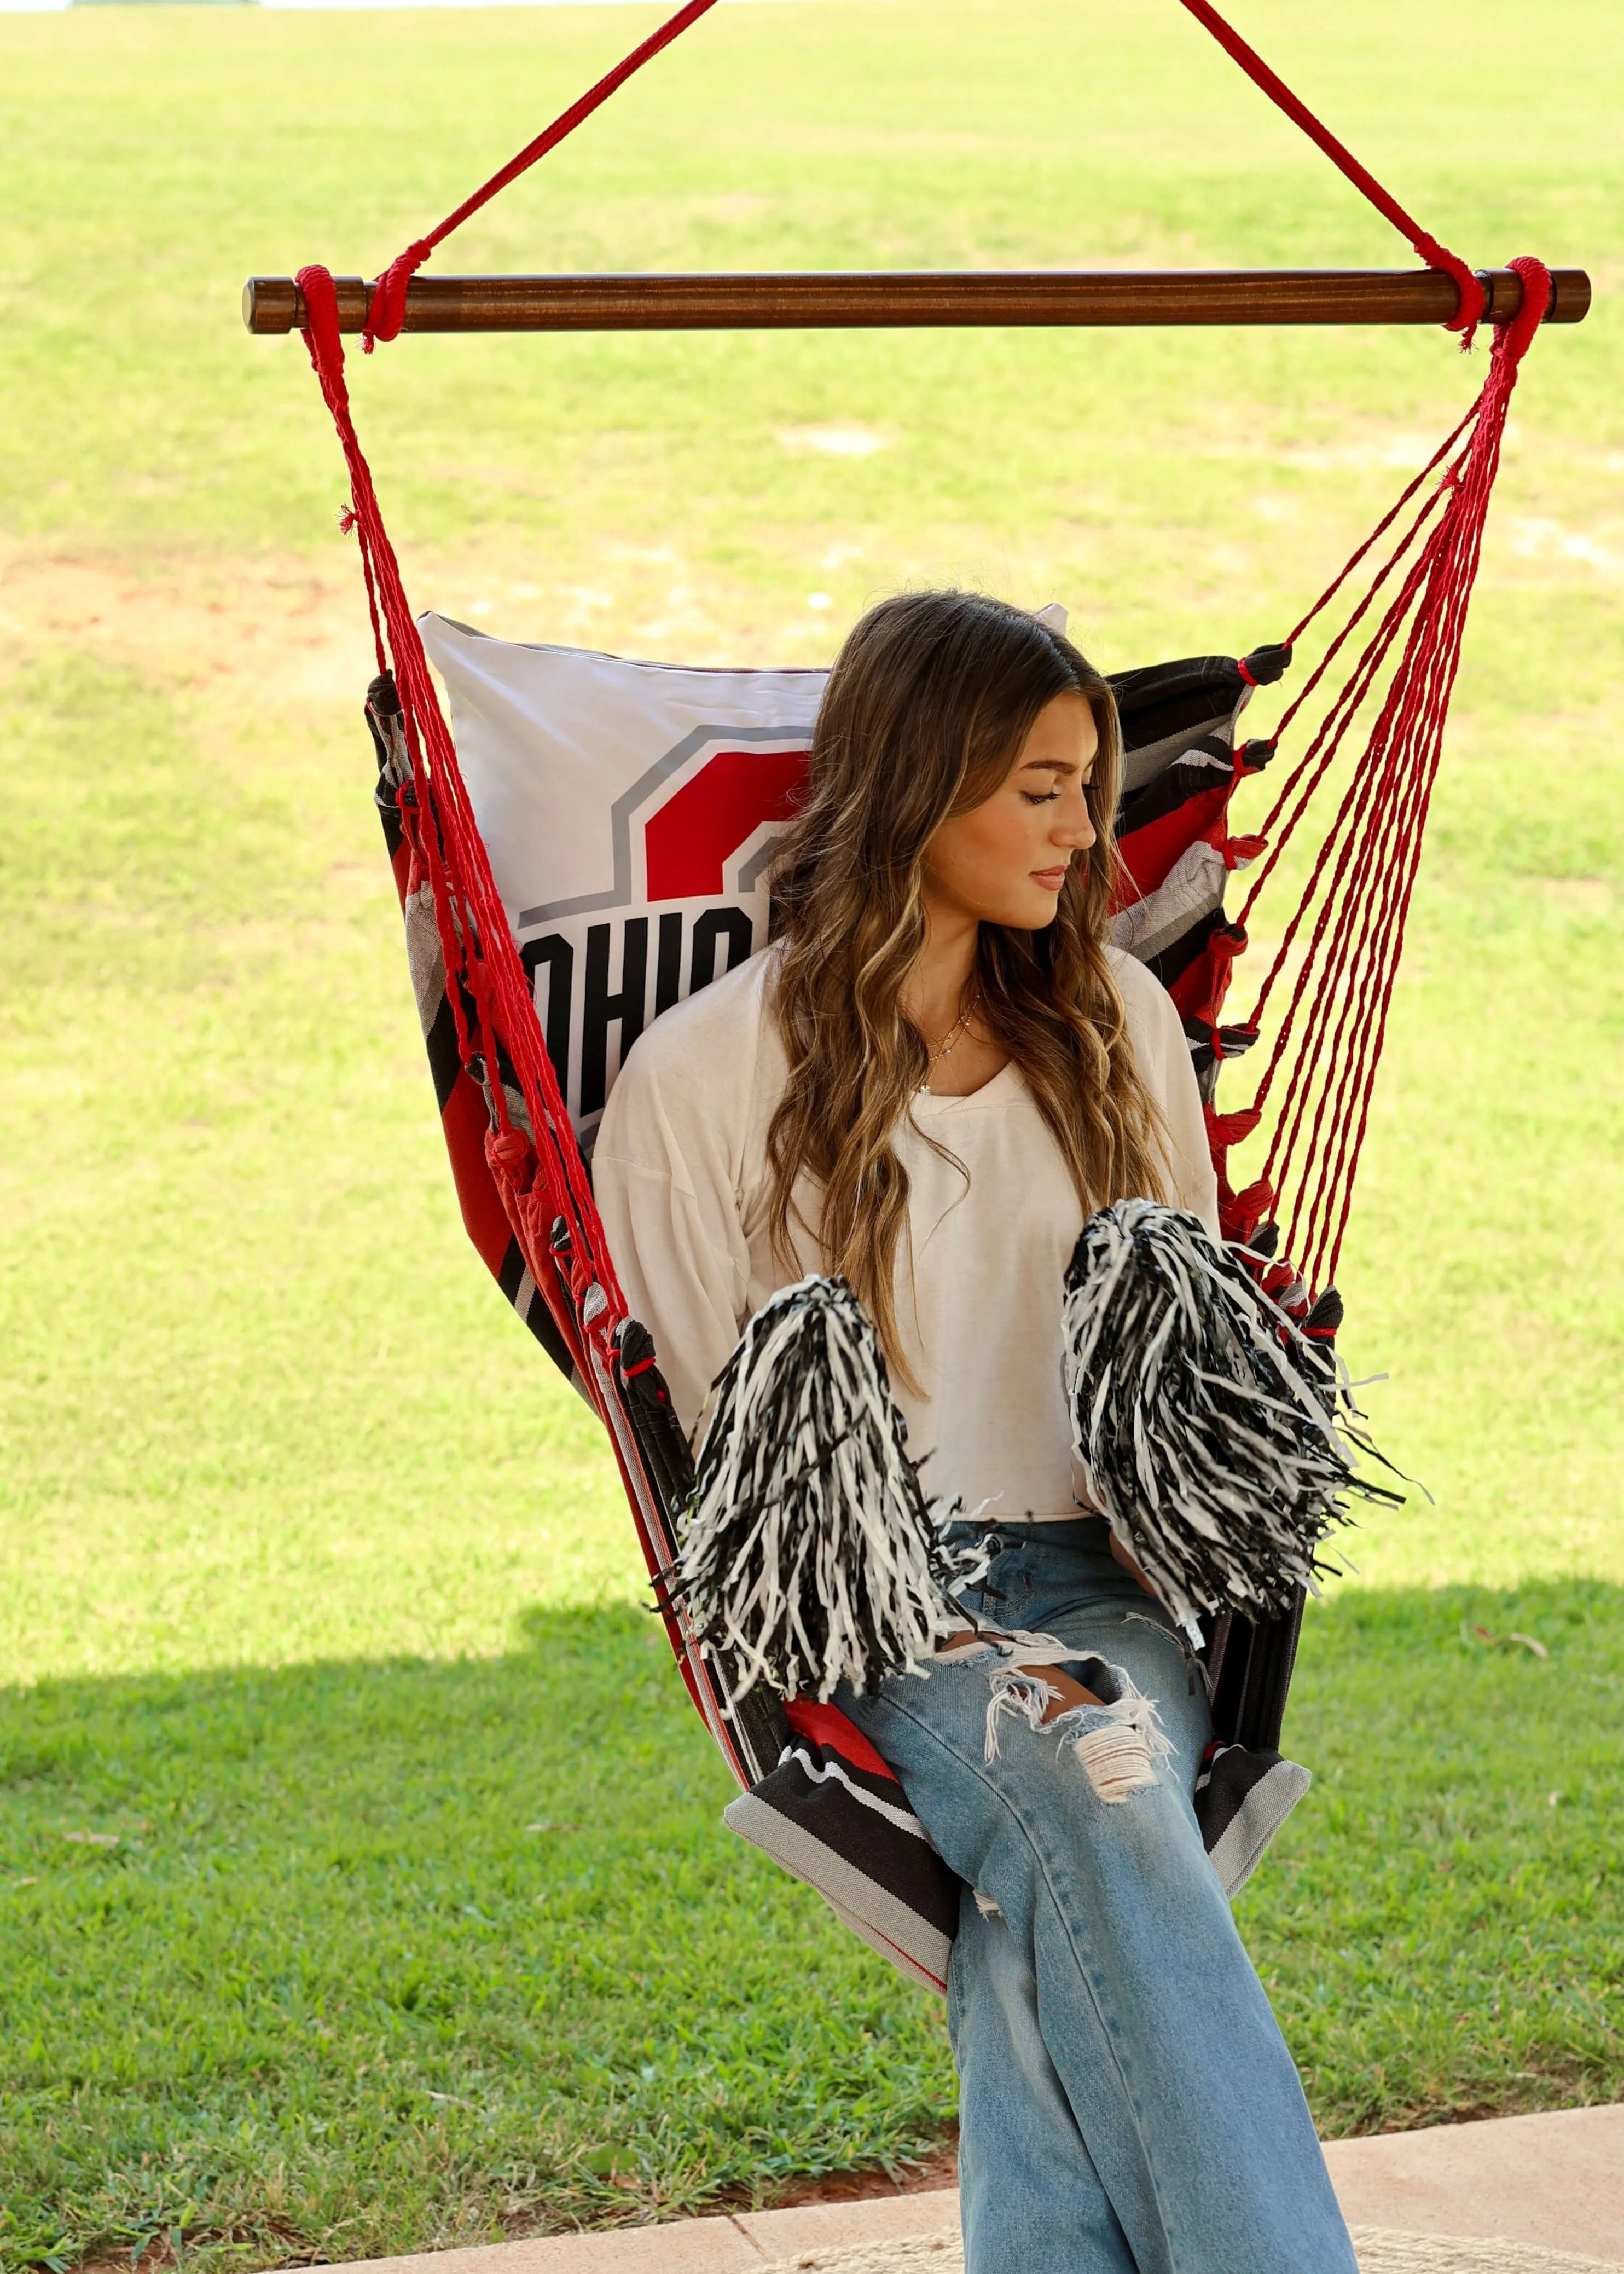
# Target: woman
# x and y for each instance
(927, 1082)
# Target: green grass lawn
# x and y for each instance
(318, 1598)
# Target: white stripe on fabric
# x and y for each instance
(904, 1819)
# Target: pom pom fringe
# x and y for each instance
(808, 1554)
(1206, 1423)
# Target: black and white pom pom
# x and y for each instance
(808, 1555)
(1203, 1418)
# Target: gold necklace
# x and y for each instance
(950, 1042)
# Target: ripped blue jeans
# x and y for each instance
(1127, 2104)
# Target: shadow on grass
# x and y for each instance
(383, 1955)
(345, 1959)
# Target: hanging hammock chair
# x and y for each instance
(593, 846)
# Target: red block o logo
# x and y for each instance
(687, 842)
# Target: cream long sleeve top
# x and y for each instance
(682, 1180)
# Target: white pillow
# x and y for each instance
(630, 811)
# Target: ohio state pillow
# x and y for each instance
(630, 811)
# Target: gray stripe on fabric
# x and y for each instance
(1142, 765)
(1246, 1838)
(756, 866)
(1192, 888)
(425, 956)
(899, 1959)
(869, 1908)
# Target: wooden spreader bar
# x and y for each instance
(840, 300)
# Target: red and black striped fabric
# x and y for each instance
(464, 1111)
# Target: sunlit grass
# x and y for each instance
(311, 1567)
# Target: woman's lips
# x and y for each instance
(1051, 879)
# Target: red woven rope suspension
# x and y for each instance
(1356, 902)
(1355, 952)
(1469, 313)
(1319, 756)
(1355, 558)
(496, 1024)
(1320, 750)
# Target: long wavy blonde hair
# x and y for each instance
(928, 706)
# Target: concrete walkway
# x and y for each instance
(1556, 2182)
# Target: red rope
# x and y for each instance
(1354, 949)
(1469, 310)
(1362, 884)
(491, 1003)
(1510, 349)
(1354, 559)
(1369, 959)
(388, 306)
(1329, 742)
(490, 999)
(1307, 762)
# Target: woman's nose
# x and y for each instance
(1075, 829)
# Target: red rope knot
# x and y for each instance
(322, 337)
(1227, 1129)
(387, 312)
(1473, 300)
(508, 1151)
(1514, 338)
(1257, 1202)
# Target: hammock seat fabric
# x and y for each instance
(630, 812)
